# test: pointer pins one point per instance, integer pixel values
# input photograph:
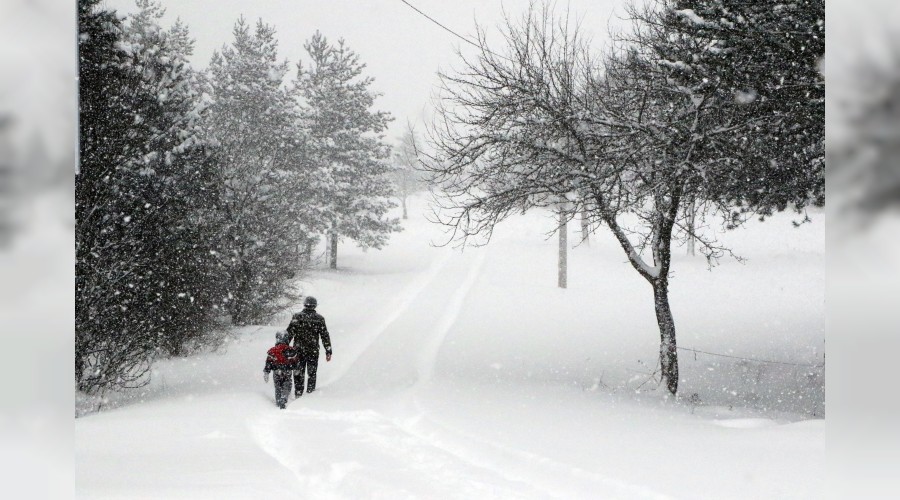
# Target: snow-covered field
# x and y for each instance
(471, 375)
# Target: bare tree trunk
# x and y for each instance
(563, 248)
(403, 202)
(662, 256)
(668, 356)
(333, 247)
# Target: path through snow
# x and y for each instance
(469, 375)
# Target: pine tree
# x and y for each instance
(264, 174)
(183, 208)
(104, 350)
(349, 144)
(145, 284)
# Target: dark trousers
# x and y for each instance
(308, 365)
(282, 379)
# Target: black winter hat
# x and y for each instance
(310, 302)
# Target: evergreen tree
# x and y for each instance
(264, 173)
(183, 204)
(759, 62)
(145, 283)
(104, 350)
(348, 144)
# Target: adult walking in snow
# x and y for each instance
(306, 329)
(283, 360)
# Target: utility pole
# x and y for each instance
(563, 246)
(585, 227)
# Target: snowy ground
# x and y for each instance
(470, 375)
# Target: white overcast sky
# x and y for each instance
(402, 49)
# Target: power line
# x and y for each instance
(426, 16)
(808, 365)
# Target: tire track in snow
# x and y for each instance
(428, 356)
(360, 449)
(370, 456)
(521, 464)
(379, 431)
(410, 294)
(461, 444)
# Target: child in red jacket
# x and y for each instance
(282, 359)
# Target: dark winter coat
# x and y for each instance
(307, 328)
(282, 357)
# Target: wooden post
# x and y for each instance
(691, 218)
(585, 227)
(563, 247)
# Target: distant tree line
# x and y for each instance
(201, 195)
(703, 108)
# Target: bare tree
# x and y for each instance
(523, 129)
(521, 126)
(405, 174)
